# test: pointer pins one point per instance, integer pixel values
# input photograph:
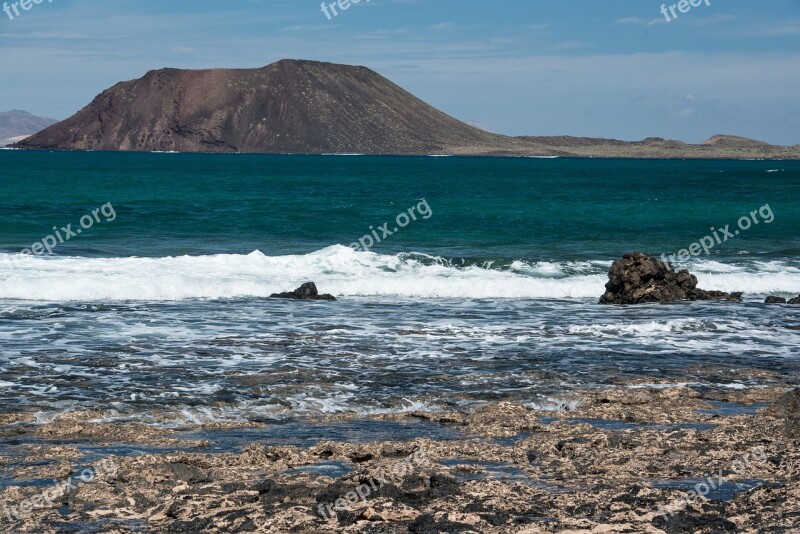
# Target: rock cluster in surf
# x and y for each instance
(780, 300)
(307, 291)
(637, 278)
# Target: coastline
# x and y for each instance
(463, 380)
(621, 459)
(466, 269)
(700, 154)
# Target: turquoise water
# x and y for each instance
(486, 290)
(507, 208)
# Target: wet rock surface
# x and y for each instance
(307, 291)
(515, 470)
(787, 407)
(772, 299)
(637, 278)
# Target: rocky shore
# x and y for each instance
(637, 278)
(618, 460)
(307, 291)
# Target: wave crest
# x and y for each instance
(341, 271)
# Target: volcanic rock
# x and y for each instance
(775, 300)
(291, 106)
(307, 291)
(795, 300)
(566, 477)
(637, 278)
(787, 407)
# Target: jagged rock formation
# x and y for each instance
(638, 278)
(307, 291)
(780, 300)
(775, 300)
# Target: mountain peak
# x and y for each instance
(290, 106)
(296, 106)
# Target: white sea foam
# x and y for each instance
(729, 385)
(643, 329)
(343, 272)
(551, 404)
(754, 278)
(337, 269)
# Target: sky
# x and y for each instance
(599, 68)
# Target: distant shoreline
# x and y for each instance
(284, 108)
(715, 157)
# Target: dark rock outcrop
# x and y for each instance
(637, 278)
(775, 300)
(787, 407)
(307, 291)
(795, 300)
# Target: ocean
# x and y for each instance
(480, 282)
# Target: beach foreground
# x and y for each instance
(656, 458)
(465, 379)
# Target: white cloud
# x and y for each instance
(686, 113)
(631, 20)
(628, 91)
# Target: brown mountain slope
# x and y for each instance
(287, 107)
(295, 106)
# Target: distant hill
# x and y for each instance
(295, 106)
(717, 147)
(287, 107)
(734, 141)
(17, 124)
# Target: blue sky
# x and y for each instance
(610, 68)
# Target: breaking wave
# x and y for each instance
(345, 273)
